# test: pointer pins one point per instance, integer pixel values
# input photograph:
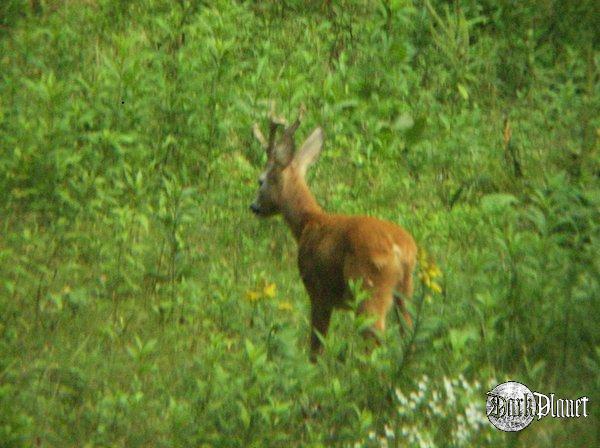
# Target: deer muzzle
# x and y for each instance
(255, 208)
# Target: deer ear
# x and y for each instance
(309, 151)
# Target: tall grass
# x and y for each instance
(142, 305)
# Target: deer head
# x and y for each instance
(286, 166)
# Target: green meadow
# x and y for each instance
(143, 305)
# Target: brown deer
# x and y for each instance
(332, 249)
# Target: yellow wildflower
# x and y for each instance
(435, 287)
(429, 272)
(252, 296)
(270, 290)
(285, 306)
(433, 270)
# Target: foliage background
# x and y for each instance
(142, 305)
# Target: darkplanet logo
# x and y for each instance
(511, 406)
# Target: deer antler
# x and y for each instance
(274, 122)
(290, 130)
(259, 136)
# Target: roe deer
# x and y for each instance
(332, 249)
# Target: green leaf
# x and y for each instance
(244, 415)
(498, 201)
(404, 122)
(462, 90)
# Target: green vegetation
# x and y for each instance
(141, 303)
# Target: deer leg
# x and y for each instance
(378, 305)
(320, 316)
(401, 304)
(406, 289)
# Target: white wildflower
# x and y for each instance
(389, 432)
(449, 391)
(400, 396)
(437, 410)
(462, 436)
(475, 415)
(425, 441)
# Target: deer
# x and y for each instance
(334, 250)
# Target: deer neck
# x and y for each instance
(300, 206)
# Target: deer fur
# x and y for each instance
(332, 249)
